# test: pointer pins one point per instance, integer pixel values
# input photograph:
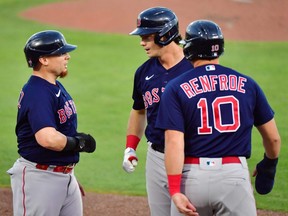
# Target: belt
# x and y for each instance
(159, 148)
(54, 168)
(225, 160)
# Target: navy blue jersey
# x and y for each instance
(42, 104)
(149, 83)
(216, 108)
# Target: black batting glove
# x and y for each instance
(266, 170)
(86, 143)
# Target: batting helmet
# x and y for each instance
(203, 40)
(159, 21)
(45, 43)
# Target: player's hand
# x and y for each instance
(86, 143)
(265, 173)
(130, 160)
(183, 205)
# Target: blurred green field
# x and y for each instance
(100, 81)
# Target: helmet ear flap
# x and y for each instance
(187, 51)
(168, 33)
(165, 39)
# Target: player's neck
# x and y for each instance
(201, 62)
(48, 77)
(171, 55)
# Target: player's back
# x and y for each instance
(218, 107)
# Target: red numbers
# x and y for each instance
(215, 48)
(217, 115)
(205, 128)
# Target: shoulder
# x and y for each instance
(38, 87)
(233, 71)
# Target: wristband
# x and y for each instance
(174, 182)
(71, 144)
(132, 141)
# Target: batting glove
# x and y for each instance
(266, 170)
(86, 143)
(130, 160)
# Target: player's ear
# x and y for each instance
(43, 60)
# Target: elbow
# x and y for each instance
(276, 141)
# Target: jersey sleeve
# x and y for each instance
(41, 110)
(263, 111)
(137, 97)
(170, 116)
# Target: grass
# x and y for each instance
(100, 80)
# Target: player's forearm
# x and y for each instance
(135, 128)
(174, 159)
(136, 123)
(271, 139)
(51, 139)
(272, 148)
(174, 152)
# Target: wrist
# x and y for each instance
(174, 183)
(132, 141)
(71, 144)
(270, 161)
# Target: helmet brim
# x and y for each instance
(144, 31)
(64, 49)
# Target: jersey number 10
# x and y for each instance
(217, 118)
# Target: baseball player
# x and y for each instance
(159, 32)
(208, 114)
(42, 178)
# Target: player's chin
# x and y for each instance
(63, 74)
(150, 55)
